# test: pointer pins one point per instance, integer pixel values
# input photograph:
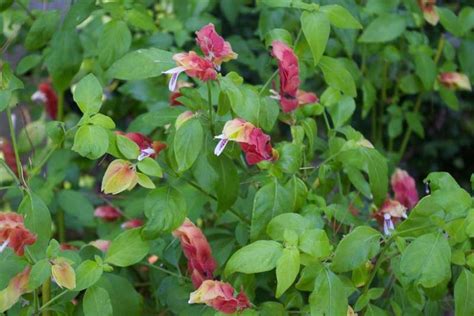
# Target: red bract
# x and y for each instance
(404, 187)
(258, 147)
(101, 244)
(389, 214)
(213, 45)
(47, 95)
(455, 80)
(133, 223)
(196, 249)
(289, 75)
(429, 11)
(255, 144)
(194, 65)
(148, 147)
(8, 155)
(220, 296)
(13, 233)
(306, 97)
(107, 213)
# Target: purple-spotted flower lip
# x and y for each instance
(145, 153)
(174, 72)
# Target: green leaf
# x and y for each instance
(449, 97)
(123, 296)
(88, 94)
(337, 76)
(114, 42)
(10, 265)
(188, 143)
(463, 293)
(259, 256)
(290, 221)
(165, 209)
(102, 120)
(27, 63)
(5, 5)
(40, 272)
(414, 122)
(87, 274)
(356, 248)
(340, 17)
(342, 111)
(38, 221)
(91, 141)
(449, 21)
(425, 68)
(150, 167)
(64, 57)
(127, 147)
(427, 260)
(374, 164)
(76, 206)
(298, 191)
(315, 242)
(96, 302)
(145, 181)
(142, 64)
(127, 249)
(289, 160)
(227, 184)
(42, 29)
(277, 34)
(287, 269)
(316, 30)
(328, 297)
(271, 200)
(384, 28)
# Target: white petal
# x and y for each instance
(38, 96)
(174, 72)
(221, 136)
(4, 245)
(144, 153)
(220, 146)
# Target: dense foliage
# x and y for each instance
(200, 157)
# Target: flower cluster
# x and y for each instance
(255, 144)
(216, 51)
(201, 266)
(290, 96)
(13, 233)
(406, 197)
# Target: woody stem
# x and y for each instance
(211, 110)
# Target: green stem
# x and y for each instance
(48, 302)
(265, 86)
(15, 148)
(380, 260)
(439, 50)
(408, 132)
(10, 172)
(165, 271)
(38, 168)
(211, 109)
(61, 225)
(60, 106)
(30, 14)
(46, 297)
